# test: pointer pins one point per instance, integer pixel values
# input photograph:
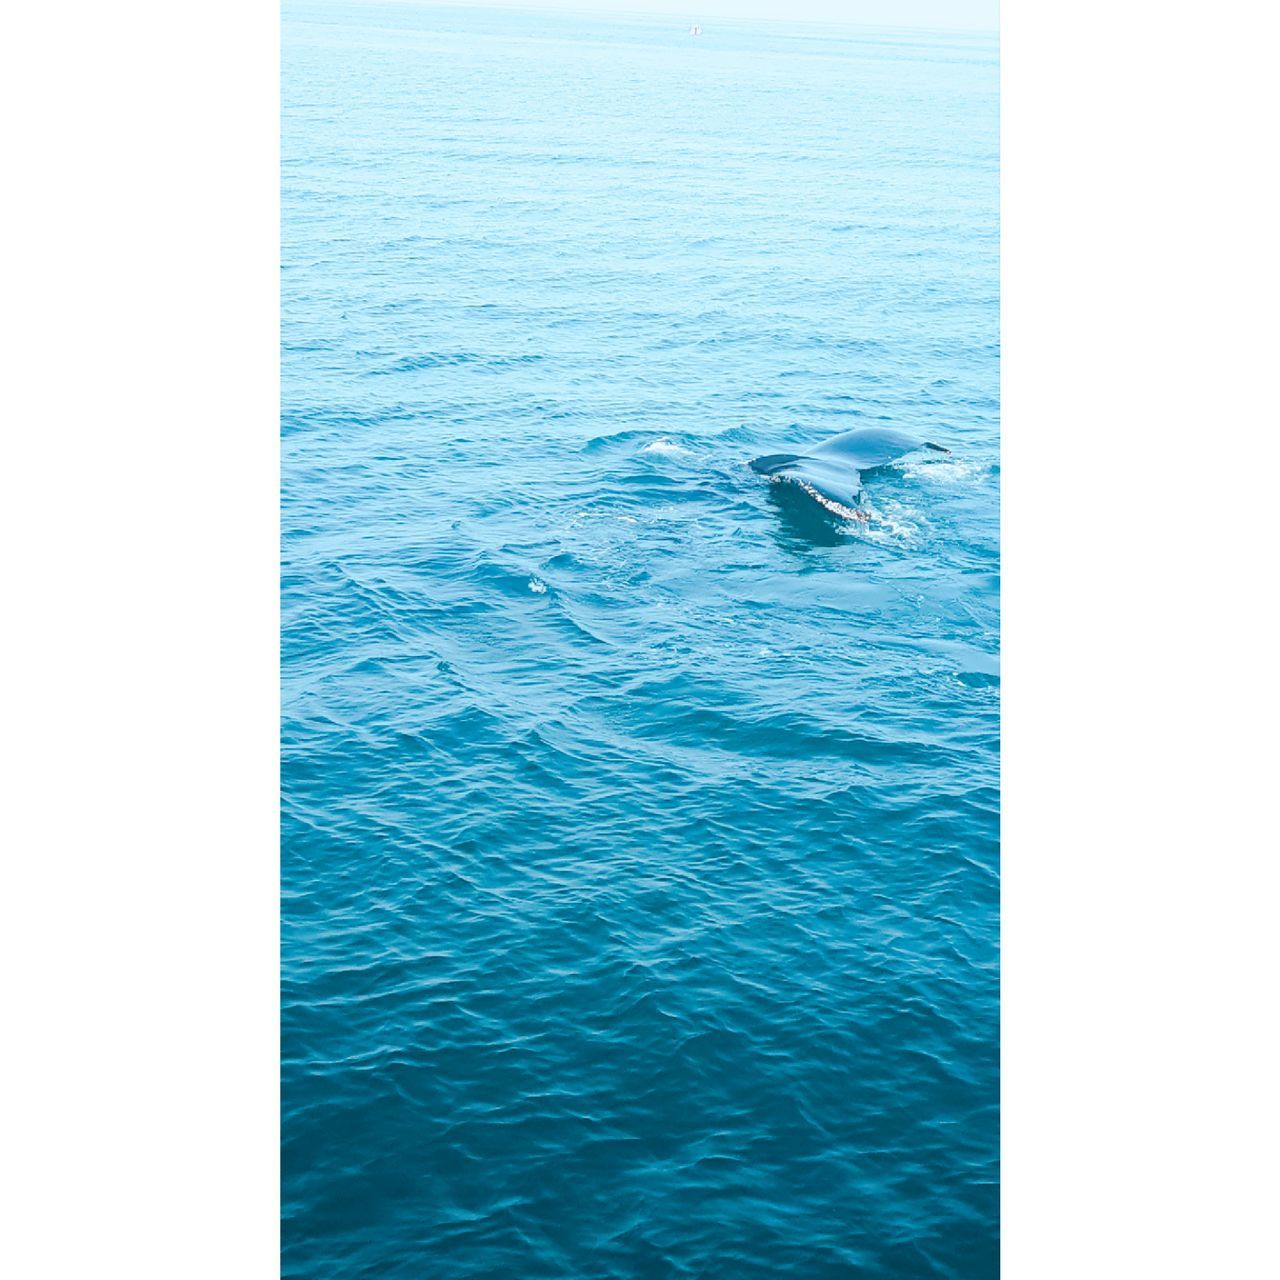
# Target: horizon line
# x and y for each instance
(577, 7)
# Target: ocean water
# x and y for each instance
(639, 819)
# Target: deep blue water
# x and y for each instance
(640, 823)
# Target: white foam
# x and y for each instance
(892, 524)
(537, 586)
(667, 448)
(951, 471)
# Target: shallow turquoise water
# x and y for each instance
(640, 821)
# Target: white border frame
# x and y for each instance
(140, 497)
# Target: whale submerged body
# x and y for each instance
(831, 472)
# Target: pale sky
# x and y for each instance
(967, 14)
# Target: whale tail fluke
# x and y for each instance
(772, 462)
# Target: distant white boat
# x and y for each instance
(695, 30)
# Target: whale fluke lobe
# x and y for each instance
(771, 462)
(831, 472)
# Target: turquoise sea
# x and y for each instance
(640, 819)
